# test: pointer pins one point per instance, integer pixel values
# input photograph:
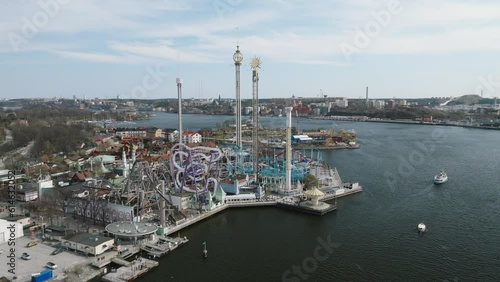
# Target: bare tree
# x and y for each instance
(54, 204)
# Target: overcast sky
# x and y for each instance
(136, 49)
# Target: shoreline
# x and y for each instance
(357, 146)
(406, 122)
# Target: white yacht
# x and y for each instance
(442, 177)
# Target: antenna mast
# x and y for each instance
(237, 36)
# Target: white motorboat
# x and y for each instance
(440, 178)
(421, 227)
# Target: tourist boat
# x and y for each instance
(442, 177)
(421, 227)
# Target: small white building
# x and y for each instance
(92, 244)
(26, 194)
(378, 104)
(173, 136)
(181, 203)
(19, 219)
(248, 110)
(193, 138)
(131, 132)
(9, 229)
(342, 103)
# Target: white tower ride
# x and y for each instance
(288, 183)
(238, 58)
(255, 64)
(179, 96)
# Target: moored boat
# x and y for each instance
(440, 178)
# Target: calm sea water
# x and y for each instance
(372, 235)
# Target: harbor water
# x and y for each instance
(372, 235)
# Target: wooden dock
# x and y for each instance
(164, 245)
(321, 209)
(195, 219)
(331, 196)
(136, 269)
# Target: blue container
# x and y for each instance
(43, 276)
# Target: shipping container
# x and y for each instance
(44, 275)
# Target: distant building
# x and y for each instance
(23, 121)
(191, 137)
(342, 103)
(377, 104)
(155, 133)
(427, 118)
(27, 195)
(173, 136)
(248, 110)
(391, 104)
(301, 139)
(132, 132)
(82, 176)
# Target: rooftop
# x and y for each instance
(87, 239)
(131, 229)
(16, 217)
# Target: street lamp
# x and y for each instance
(43, 233)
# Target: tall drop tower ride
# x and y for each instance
(179, 96)
(255, 64)
(238, 58)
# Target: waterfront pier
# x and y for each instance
(132, 271)
(305, 207)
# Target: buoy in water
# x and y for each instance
(205, 252)
(421, 228)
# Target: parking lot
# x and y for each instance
(40, 255)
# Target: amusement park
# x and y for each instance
(197, 179)
(149, 199)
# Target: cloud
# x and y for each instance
(301, 32)
(163, 52)
(103, 58)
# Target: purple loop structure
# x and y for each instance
(195, 169)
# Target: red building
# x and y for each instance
(391, 104)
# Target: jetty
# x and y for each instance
(304, 207)
(164, 245)
(294, 203)
(131, 271)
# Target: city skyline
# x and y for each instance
(137, 49)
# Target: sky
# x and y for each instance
(137, 48)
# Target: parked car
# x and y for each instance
(31, 244)
(25, 256)
(51, 265)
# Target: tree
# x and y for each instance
(15, 161)
(54, 204)
(310, 181)
(98, 168)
